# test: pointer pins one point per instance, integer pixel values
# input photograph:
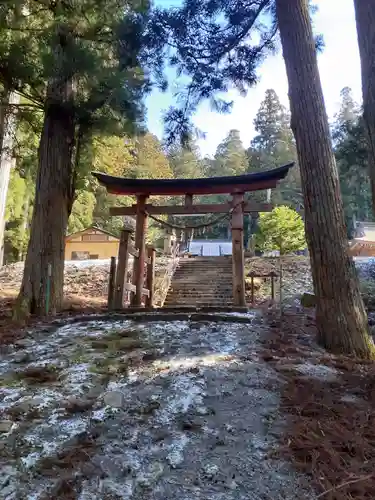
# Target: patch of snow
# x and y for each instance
(211, 248)
(321, 372)
(182, 363)
(237, 314)
(49, 436)
(100, 415)
(81, 264)
(123, 490)
(351, 398)
(186, 392)
(175, 457)
(11, 396)
(76, 375)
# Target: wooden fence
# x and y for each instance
(122, 292)
(272, 276)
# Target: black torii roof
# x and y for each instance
(208, 185)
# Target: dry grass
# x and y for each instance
(65, 466)
(38, 375)
(329, 438)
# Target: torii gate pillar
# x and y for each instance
(238, 259)
(139, 262)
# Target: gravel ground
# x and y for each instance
(128, 410)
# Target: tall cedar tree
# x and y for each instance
(340, 315)
(274, 145)
(214, 47)
(365, 18)
(7, 130)
(82, 67)
(350, 147)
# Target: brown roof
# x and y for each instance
(91, 228)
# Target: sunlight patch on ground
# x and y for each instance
(147, 419)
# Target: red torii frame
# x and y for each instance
(236, 186)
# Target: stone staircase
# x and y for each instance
(201, 282)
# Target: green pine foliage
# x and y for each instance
(230, 157)
(17, 216)
(273, 146)
(352, 160)
(282, 229)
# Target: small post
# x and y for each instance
(273, 275)
(151, 253)
(252, 288)
(122, 268)
(111, 284)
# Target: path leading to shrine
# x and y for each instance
(143, 410)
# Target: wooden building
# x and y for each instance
(91, 243)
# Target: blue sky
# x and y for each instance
(339, 67)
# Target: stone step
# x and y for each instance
(199, 295)
(198, 286)
(198, 272)
(201, 263)
(201, 291)
(201, 282)
(212, 303)
(200, 304)
(195, 270)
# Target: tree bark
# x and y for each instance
(365, 19)
(53, 200)
(7, 130)
(340, 314)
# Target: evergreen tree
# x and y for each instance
(151, 162)
(81, 216)
(17, 217)
(185, 161)
(230, 157)
(341, 317)
(349, 111)
(7, 132)
(352, 160)
(272, 125)
(79, 62)
(365, 19)
(273, 146)
(222, 54)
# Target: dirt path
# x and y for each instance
(125, 410)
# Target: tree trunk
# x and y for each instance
(53, 199)
(340, 314)
(7, 130)
(365, 19)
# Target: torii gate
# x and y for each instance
(236, 186)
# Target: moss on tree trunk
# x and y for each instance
(340, 313)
